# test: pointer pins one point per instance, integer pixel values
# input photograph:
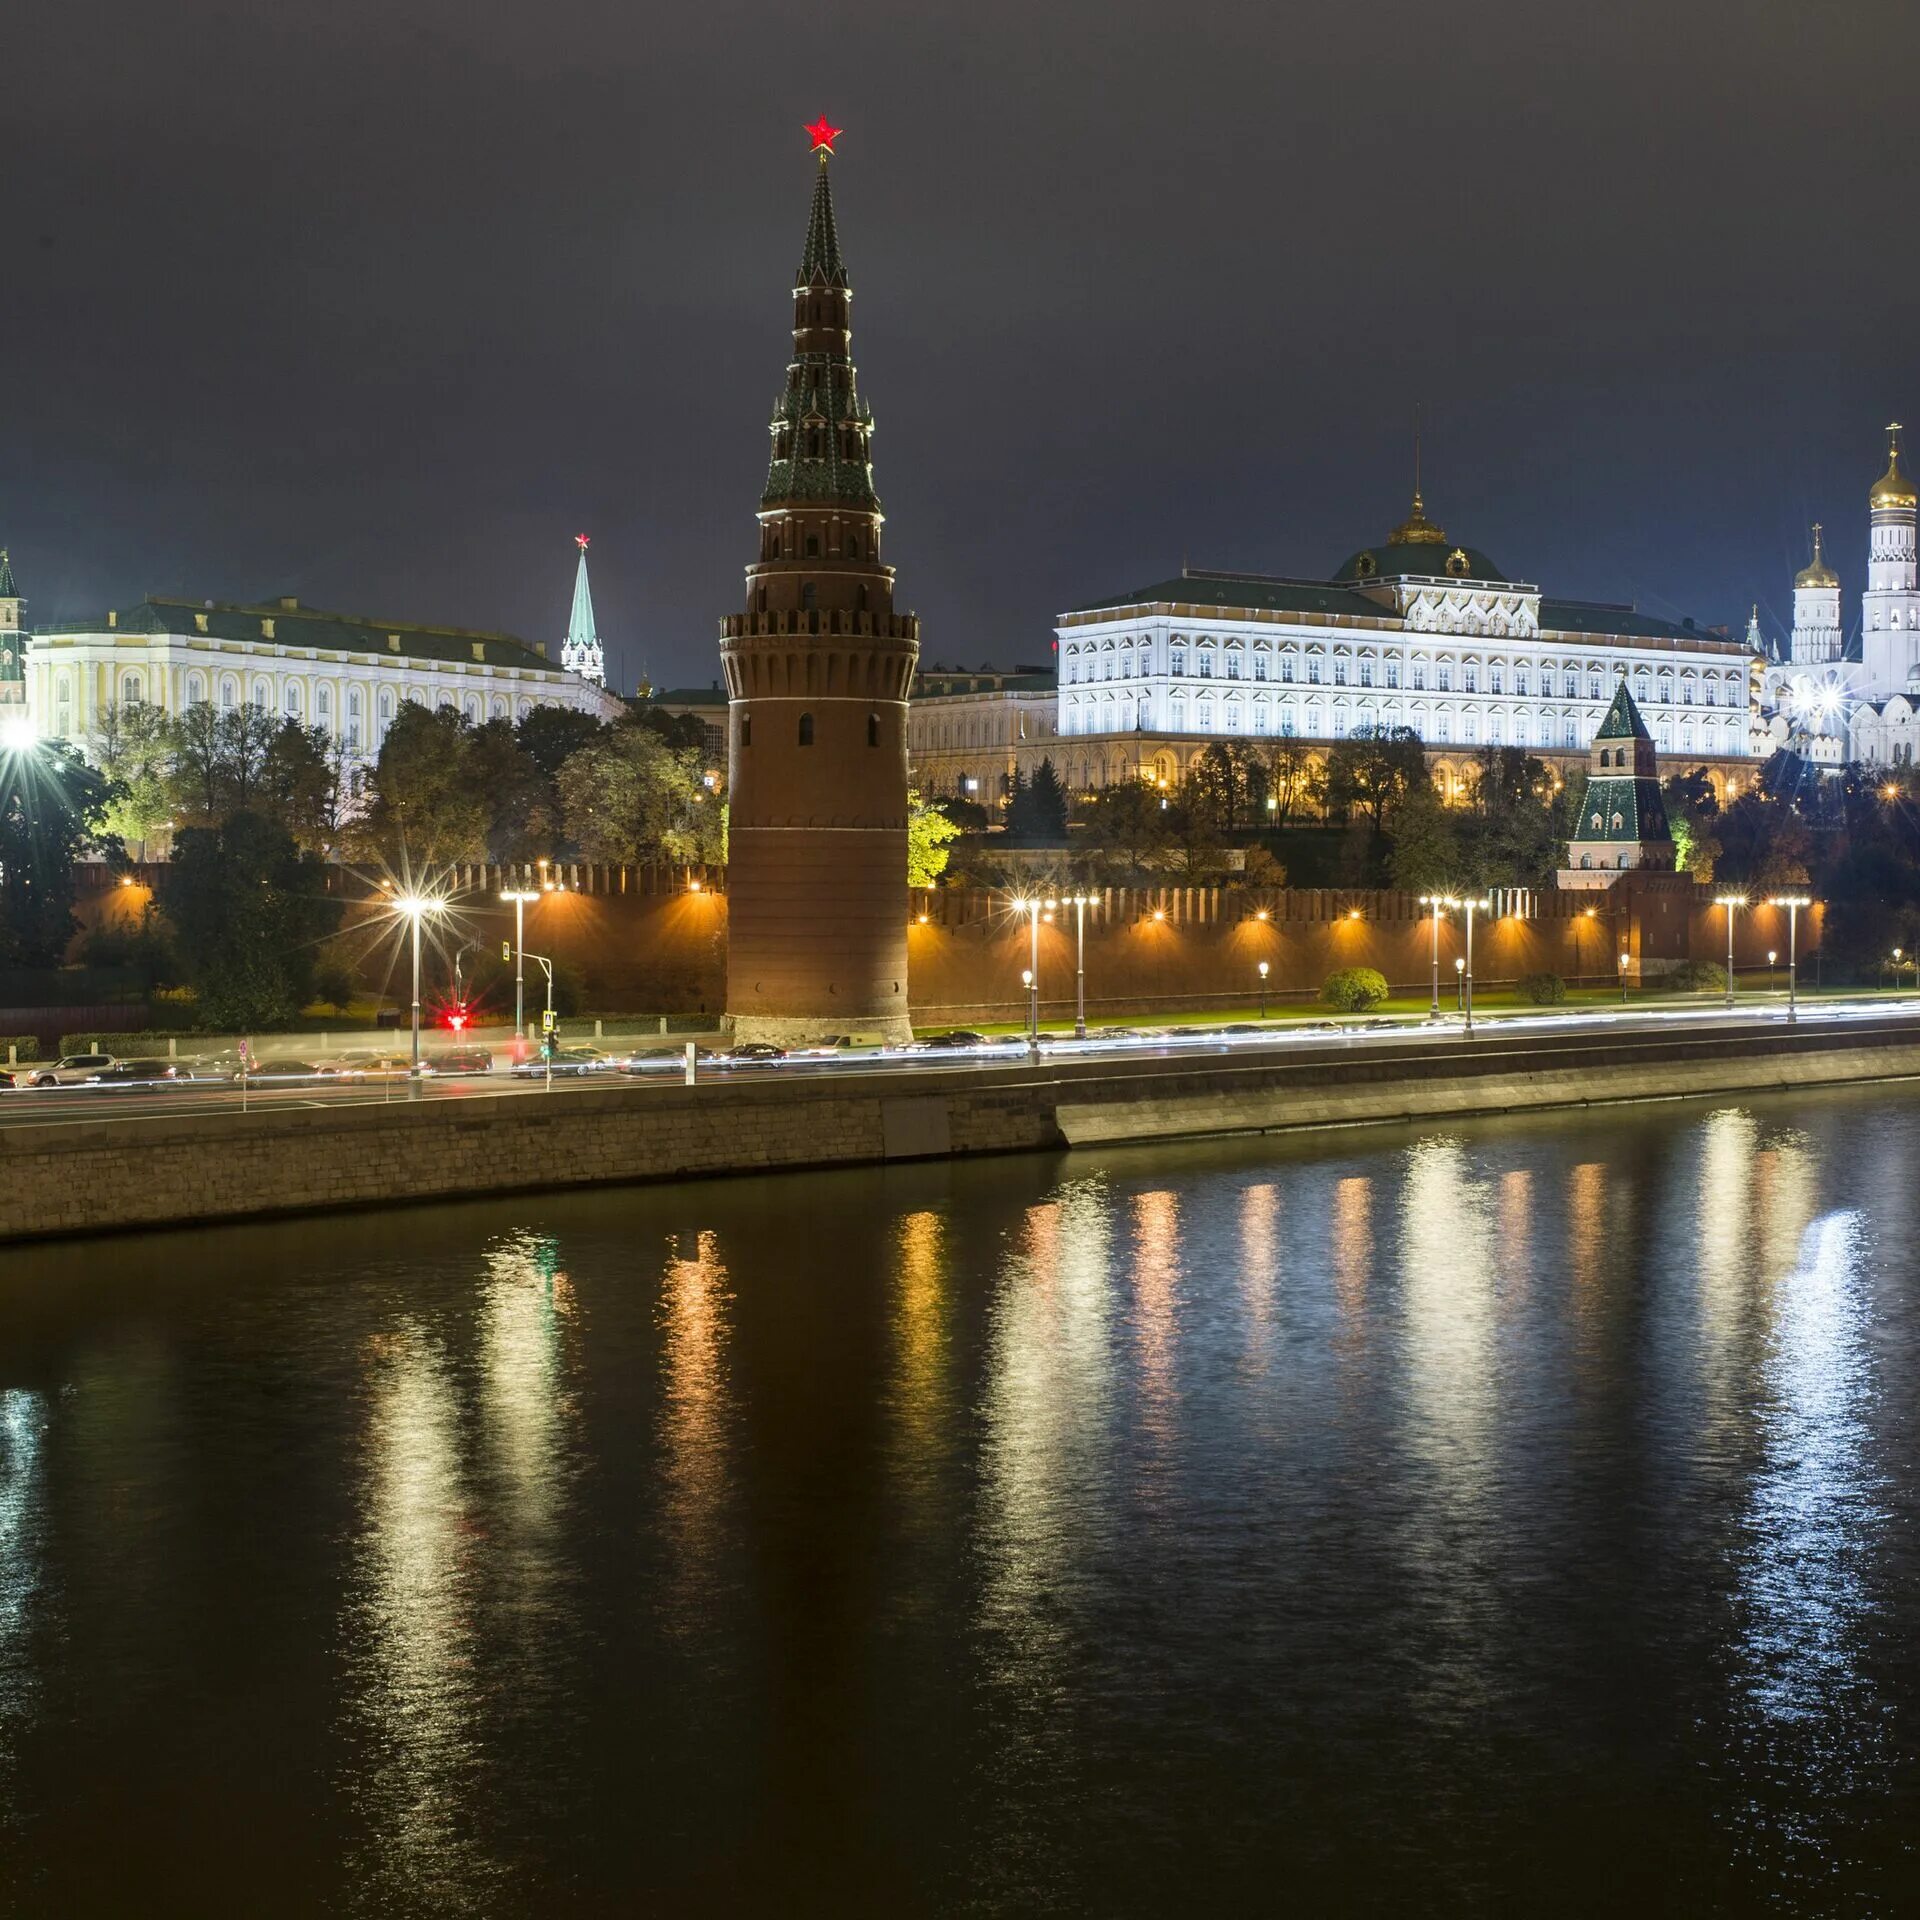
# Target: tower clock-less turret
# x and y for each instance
(818, 668)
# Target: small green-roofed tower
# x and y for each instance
(1623, 819)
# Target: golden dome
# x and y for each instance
(1818, 573)
(1416, 530)
(1893, 490)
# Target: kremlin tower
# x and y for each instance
(818, 668)
(580, 652)
(13, 644)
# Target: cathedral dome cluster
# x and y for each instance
(1893, 491)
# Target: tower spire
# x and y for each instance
(581, 652)
(820, 262)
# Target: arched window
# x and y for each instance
(323, 703)
(807, 596)
(806, 729)
(873, 729)
(229, 693)
(746, 729)
(130, 689)
(292, 700)
(196, 689)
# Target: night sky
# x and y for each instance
(379, 304)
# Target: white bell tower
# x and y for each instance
(1816, 611)
(1890, 608)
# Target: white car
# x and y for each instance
(73, 1070)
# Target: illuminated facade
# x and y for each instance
(818, 666)
(1831, 700)
(343, 673)
(968, 733)
(1417, 632)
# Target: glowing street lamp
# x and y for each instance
(1793, 902)
(1465, 966)
(1459, 983)
(17, 734)
(1263, 989)
(416, 907)
(1436, 902)
(1623, 979)
(1033, 909)
(520, 897)
(1080, 902)
(1772, 956)
(1732, 902)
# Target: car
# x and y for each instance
(1243, 1026)
(460, 1060)
(139, 1073)
(360, 1065)
(277, 1068)
(959, 1037)
(751, 1053)
(572, 1062)
(73, 1070)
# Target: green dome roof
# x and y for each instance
(1393, 559)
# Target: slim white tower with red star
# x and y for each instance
(580, 652)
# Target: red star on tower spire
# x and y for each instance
(580, 540)
(824, 135)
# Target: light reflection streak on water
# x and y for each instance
(1451, 1433)
(22, 1424)
(1729, 1280)
(1046, 1456)
(921, 1394)
(1513, 1239)
(695, 1414)
(1156, 1291)
(1352, 1257)
(412, 1635)
(1813, 1523)
(1259, 1264)
(525, 1305)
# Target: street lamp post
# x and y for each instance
(1623, 979)
(1459, 984)
(1436, 902)
(1081, 902)
(1263, 989)
(1773, 954)
(519, 896)
(416, 907)
(1732, 902)
(1033, 909)
(1464, 966)
(1793, 902)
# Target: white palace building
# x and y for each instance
(1416, 632)
(344, 673)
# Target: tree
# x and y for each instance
(218, 761)
(1692, 812)
(134, 753)
(629, 797)
(52, 807)
(249, 911)
(1037, 809)
(423, 803)
(1372, 771)
(1509, 831)
(523, 810)
(1426, 843)
(1282, 771)
(550, 736)
(1128, 824)
(930, 835)
(302, 786)
(1217, 782)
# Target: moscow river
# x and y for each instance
(1515, 1517)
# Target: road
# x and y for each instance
(92, 1105)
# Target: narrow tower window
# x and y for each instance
(746, 729)
(873, 729)
(813, 546)
(806, 729)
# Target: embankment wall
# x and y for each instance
(106, 1175)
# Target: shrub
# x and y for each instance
(1699, 976)
(1544, 989)
(333, 984)
(1353, 989)
(25, 1046)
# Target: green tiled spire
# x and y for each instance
(8, 591)
(820, 262)
(1623, 720)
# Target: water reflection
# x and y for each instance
(922, 1393)
(1046, 1458)
(695, 1414)
(1352, 1254)
(526, 1306)
(1259, 1270)
(1156, 1289)
(412, 1635)
(23, 1417)
(1813, 1524)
